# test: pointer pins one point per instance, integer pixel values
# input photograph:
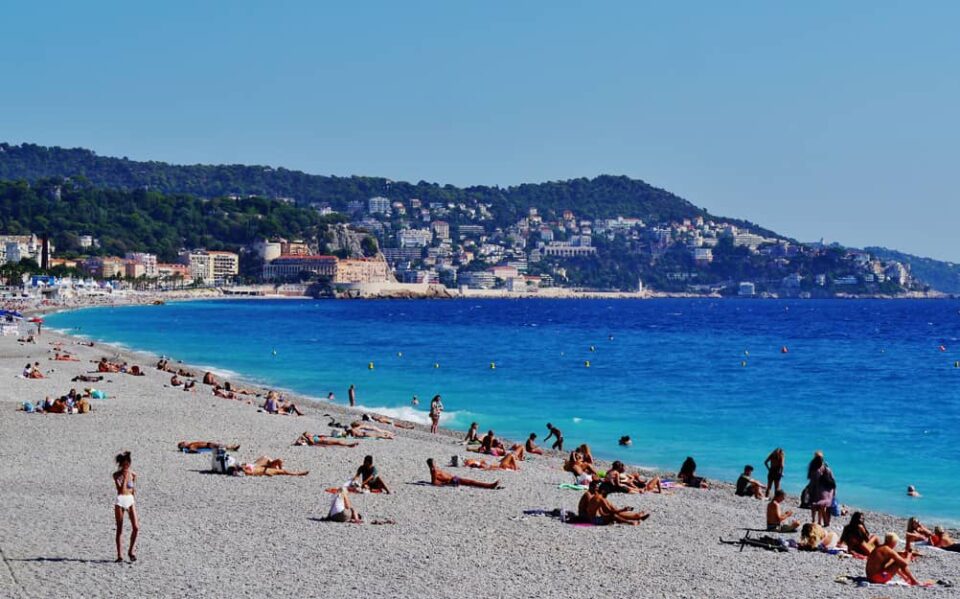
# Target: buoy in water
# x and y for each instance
(784, 350)
(956, 364)
(746, 352)
(493, 365)
(743, 363)
(586, 363)
(399, 354)
(370, 366)
(436, 365)
(274, 352)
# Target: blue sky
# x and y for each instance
(816, 119)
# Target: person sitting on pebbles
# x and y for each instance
(777, 518)
(600, 511)
(368, 479)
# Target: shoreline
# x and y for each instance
(204, 535)
(321, 403)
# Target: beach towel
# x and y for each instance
(201, 450)
(572, 487)
(863, 581)
(352, 489)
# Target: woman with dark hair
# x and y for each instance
(856, 537)
(822, 489)
(687, 474)
(125, 479)
(774, 463)
(436, 407)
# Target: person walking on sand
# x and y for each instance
(774, 463)
(352, 394)
(125, 479)
(555, 433)
(436, 407)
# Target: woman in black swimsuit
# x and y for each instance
(774, 463)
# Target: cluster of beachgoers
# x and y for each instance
(666, 500)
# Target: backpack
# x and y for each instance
(220, 461)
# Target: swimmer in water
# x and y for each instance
(626, 441)
(415, 401)
(912, 491)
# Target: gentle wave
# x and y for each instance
(410, 414)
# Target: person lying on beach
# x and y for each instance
(856, 537)
(264, 466)
(531, 446)
(367, 431)
(747, 486)
(942, 540)
(323, 440)
(196, 446)
(472, 434)
(618, 481)
(135, 370)
(508, 462)
(687, 475)
(87, 378)
(368, 478)
(242, 391)
(341, 510)
(776, 518)
(439, 478)
(600, 511)
(105, 366)
(175, 381)
(209, 379)
(27, 339)
(385, 420)
(186, 373)
(884, 563)
(556, 434)
(814, 537)
(65, 357)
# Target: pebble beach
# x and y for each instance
(207, 535)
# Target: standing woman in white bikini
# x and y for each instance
(125, 480)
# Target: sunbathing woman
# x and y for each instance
(687, 475)
(439, 478)
(472, 434)
(916, 533)
(490, 445)
(368, 478)
(385, 420)
(323, 440)
(209, 379)
(264, 466)
(104, 366)
(942, 540)
(508, 462)
(368, 431)
(65, 357)
(814, 537)
(856, 537)
(577, 466)
(196, 446)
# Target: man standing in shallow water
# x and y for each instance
(352, 394)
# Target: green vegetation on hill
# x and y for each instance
(601, 197)
(147, 221)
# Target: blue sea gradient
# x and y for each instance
(871, 383)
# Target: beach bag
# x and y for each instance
(805, 498)
(835, 507)
(220, 460)
(455, 461)
(98, 394)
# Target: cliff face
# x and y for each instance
(341, 241)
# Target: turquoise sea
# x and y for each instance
(874, 384)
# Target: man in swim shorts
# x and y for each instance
(884, 563)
